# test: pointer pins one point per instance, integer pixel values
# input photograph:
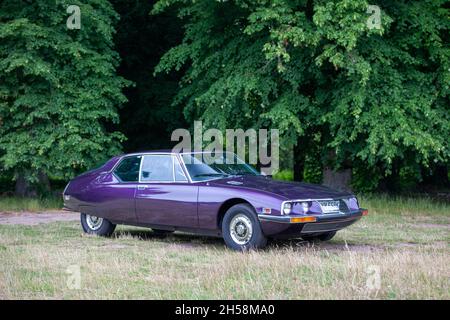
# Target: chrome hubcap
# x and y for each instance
(241, 229)
(94, 223)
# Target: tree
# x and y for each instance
(148, 118)
(372, 95)
(58, 88)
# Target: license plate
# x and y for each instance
(329, 206)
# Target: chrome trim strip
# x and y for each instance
(65, 189)
(280, 219)
(176, 154)
(183, 165)
(183, 171)
(140, 169)
(173, 169)
(137, 154)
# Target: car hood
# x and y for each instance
(288, 190)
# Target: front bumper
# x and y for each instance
(308, 224)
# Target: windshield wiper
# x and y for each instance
(210, 175)
(244, 173)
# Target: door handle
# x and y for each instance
(142, 187)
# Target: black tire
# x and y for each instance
(160, 232)
(320, 237)
(237, 213)
(105, 228)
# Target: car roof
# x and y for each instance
(148, 151)
(162, 151)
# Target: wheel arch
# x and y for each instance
(227, 205)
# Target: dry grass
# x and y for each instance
(410, 248)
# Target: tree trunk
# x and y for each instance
(340, 180)
(22, 188)
(44, 183)
(391, 183)
(441, 176)
(337, 179)
(438, 177)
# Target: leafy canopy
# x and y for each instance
(371, 95)
(58, 87)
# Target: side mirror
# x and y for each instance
(146, 174)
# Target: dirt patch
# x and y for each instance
(435, 244)
(115, 246)
(406, 245)
(326, 246)
(365, 248)
(34, 218)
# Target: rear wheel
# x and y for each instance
(241, 229)
(96, 225)
(320, 237)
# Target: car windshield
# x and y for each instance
(202, 166)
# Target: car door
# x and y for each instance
(164, 195)
(115, 191)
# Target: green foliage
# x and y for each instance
(58, 87)
(365, 180)
(377, 96)
(313, 170)
(31, 204)
(285, 175)
(375, 99)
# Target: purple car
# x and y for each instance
(225, 197)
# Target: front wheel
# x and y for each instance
(97, 225)
(241, 229)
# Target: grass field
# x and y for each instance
(396, 253)
(30, 204)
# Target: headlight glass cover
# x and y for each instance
(352, 203)
(287, 207)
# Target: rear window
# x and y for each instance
(128, 169)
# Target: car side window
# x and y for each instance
(128, 169)
(157, 168)
(179, 173)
